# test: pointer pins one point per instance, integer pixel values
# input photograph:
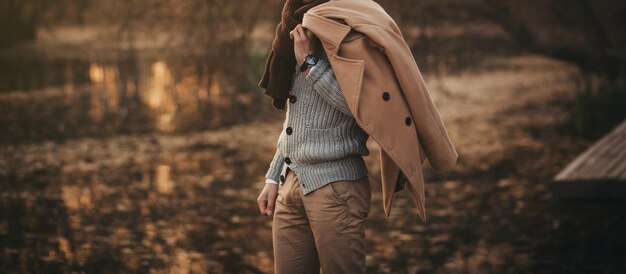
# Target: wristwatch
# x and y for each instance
(309, 60)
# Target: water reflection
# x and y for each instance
(121, 96)
(163, 182)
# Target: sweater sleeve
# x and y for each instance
(324, 82)
(276, 167)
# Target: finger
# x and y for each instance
(297, 29)
(270, 204)
(301, 32)
(291, 35)
(262, 205)
(309, 34)
(296, 35)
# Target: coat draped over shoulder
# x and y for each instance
(385, 92)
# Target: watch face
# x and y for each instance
(311, 60)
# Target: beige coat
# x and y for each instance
(385, 92)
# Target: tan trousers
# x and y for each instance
(325, 228)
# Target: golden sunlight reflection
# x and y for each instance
(66, 249)
(159, 96)
(159, 83)
(105, 95)
(96, 73)
(182, 261)
(165, 122)
(110, 87)
(215, 89)
(163, 179)
(76, 197)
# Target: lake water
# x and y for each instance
(61, 99)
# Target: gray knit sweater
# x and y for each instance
(321, 141)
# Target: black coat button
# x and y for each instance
(289, 130)
(282, 178)
(292, 99)
(287, 160)
(386, 96)
(303, 185)
(407, 121)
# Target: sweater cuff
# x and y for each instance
(316, 71)
(275, 167)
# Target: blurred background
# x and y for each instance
(134, 137)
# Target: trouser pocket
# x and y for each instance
(355, 194)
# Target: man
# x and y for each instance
(387, 100)
(321, 205)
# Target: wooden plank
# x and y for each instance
(590, 166)
(571, 169)
(618, 168)
(597, 173)
(584, 166)
(611, 155)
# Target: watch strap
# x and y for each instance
(305, 64)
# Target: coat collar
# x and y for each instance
(327, 30)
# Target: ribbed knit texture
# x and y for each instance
(326, 144)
